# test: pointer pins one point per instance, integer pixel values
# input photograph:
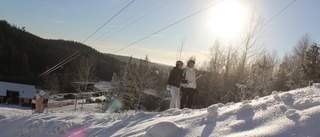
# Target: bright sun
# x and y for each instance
(226, 19)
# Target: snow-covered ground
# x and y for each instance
(293, 113)
(103, 85)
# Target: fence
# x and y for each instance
(60, 104)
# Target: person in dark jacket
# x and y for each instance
(173, 85)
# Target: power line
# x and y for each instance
(58, 65)
(78, 53)
(125, 21)
(168, 26)
(108, 21)
(135, 21)
(273, 18)
(70, 58)
(279, 12)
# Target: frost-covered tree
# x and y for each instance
(214, 73)
(145, 80)
(83, 74)
(218, 84)
(123, 84)
(296, 74)
(301, 48)
(252, 43)
(265, 66)
(132, 81)
(229, 77)
(260, 78)
(290, 73)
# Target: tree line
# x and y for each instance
(232, 77)
(234, 72)
(249, 70)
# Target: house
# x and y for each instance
(14, 93)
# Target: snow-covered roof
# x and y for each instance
(25, 91)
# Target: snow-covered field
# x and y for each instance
(293, 113)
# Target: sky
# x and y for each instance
(77, 19)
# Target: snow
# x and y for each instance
(151, 92)
(100, 97)
(170, 130)
(102, 85)
(293, 113)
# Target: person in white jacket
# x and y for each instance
(173, 85)
(190, 87)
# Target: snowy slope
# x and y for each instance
(293, 113)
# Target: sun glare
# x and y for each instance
(226, 19)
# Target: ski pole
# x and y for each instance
(198, 76)
(185, 81)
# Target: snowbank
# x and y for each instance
(163, 129)
(293, 113)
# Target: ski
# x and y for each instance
(184, 81)
(163, 95)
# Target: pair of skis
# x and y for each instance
(165, 93)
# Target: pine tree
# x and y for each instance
(281, 80)
(311, 65)
(115, 84)
(145, 80)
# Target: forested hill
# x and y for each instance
(161, 67)
(23, 56)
